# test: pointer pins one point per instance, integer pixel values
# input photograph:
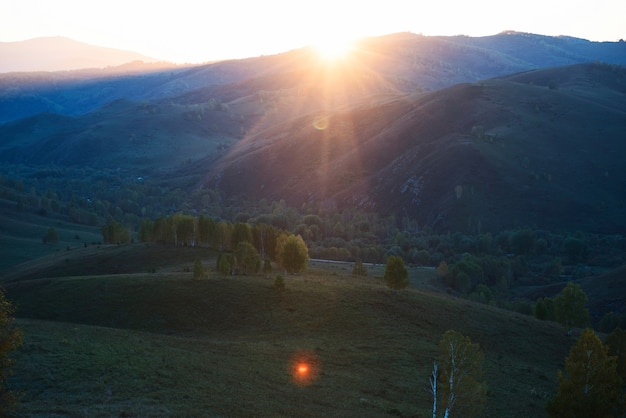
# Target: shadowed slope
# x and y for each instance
(540, 148)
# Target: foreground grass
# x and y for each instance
(168, 345)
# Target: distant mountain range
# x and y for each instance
(57, 53)
(459, 133)
(399, 62)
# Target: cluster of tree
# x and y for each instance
(244, 248)
(115, 233)
(542, 252)
(205, 231)
(611, 321)
(469, 272)
(91, 196)
(567, 308)
(291, 255)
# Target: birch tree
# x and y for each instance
(433, 387)
(459, 373)
(590, 386)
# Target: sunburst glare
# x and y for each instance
(333, 47)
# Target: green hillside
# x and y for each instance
(142, 344)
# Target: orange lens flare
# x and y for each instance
(304, 368)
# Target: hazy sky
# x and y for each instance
(198, 31)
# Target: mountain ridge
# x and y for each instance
(412, 61)
(58, 53)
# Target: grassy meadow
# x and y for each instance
(22, 232)
(163, 344)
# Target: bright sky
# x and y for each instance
(199, 31)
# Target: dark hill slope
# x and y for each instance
(542, 148)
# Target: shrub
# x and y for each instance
(279, 282)
(198, 270)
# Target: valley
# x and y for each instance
(491, 166)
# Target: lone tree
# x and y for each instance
(396, 275)
(10, 339)
(569, 307)
(359, 269)
(292, 253)
(456, 377)
(52, 236)
(590, 386)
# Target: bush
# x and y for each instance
(52, 236)
(198, 270)
(279, 282)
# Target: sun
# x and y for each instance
(332, 48)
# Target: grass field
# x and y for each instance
(164, 344)
(22, 232)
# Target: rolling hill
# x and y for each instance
(163, 344)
